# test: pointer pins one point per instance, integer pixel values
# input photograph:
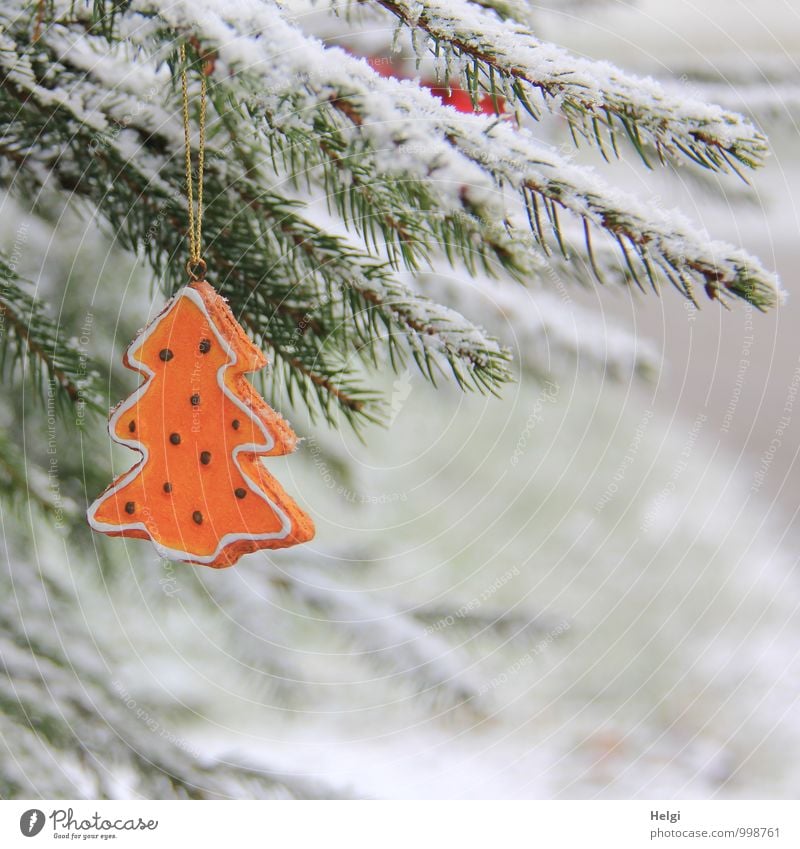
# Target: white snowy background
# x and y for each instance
(588, 588)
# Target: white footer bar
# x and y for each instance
(403, 824)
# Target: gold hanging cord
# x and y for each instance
(37, 27)
(196, 266)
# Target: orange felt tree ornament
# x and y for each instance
(200, 491)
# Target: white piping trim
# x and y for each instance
(228, 539)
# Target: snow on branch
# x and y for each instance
(414, 181)
(597, 98)
(766, 87)
(653, 238)
(319, 284)
(82, 732)
(405, 136)
(380, 632)
(543, 335)
(30, 339)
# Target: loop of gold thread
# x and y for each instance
(196, 266)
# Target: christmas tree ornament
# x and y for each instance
(200, 492)
(450, 95)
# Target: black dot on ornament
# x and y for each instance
(205, 457)
(205, 346)
(130, 507)
(195, 399)
(131, 425)
(197, 516)
(165, 354)
(240, 492)
(235, 424)
(167, 486)
(175, 438)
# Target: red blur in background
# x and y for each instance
(453, 96)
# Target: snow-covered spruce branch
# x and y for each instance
(411, 176)
(31, 341)
(288, 309)
(766, 86)
(399, 215)
(377, 303)
(544, 337)
(649, 239)
(503, 57)
(22, 482)
(387, 113)
(141, 198)
(76, 733)
(657, 239)
(404, 134)
(388, 638)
